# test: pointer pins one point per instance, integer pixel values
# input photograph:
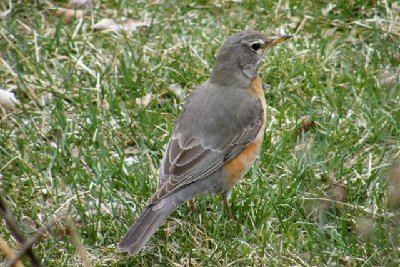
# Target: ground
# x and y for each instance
(96, 109)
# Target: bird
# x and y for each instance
(216, 137)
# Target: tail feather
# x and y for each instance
(145, 226)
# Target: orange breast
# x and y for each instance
(239, 166)
(255, 88)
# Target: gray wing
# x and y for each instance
(210, 131)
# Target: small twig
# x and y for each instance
(77, 241)
(13, 227)
(29, 243)
(9, 252)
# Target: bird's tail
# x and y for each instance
(146, 225)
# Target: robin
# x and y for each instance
(215, 139)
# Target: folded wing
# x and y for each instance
(204, 139)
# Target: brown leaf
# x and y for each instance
(60, 11)
(339, 191)
(346, 260)
(69, 14)
(305, 124)
(64, 230)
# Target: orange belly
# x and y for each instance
(239, 166)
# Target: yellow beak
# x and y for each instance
(277, 40)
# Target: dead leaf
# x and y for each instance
(339, 190)
(144, 101)
(60, 11)
(346, 260)
(64, 230)
(105, 24)
(7, 99)
(69, 14)
(305, 124)
(128, 25)
(176, 89)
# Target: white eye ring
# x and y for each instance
(256, 45)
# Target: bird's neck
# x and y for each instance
(226, 76)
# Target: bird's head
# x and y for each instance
(240, 56)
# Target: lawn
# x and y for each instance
(96, 109)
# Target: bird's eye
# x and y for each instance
(255, 46)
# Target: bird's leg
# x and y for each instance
(225, 198)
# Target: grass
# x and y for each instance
(91, 145)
